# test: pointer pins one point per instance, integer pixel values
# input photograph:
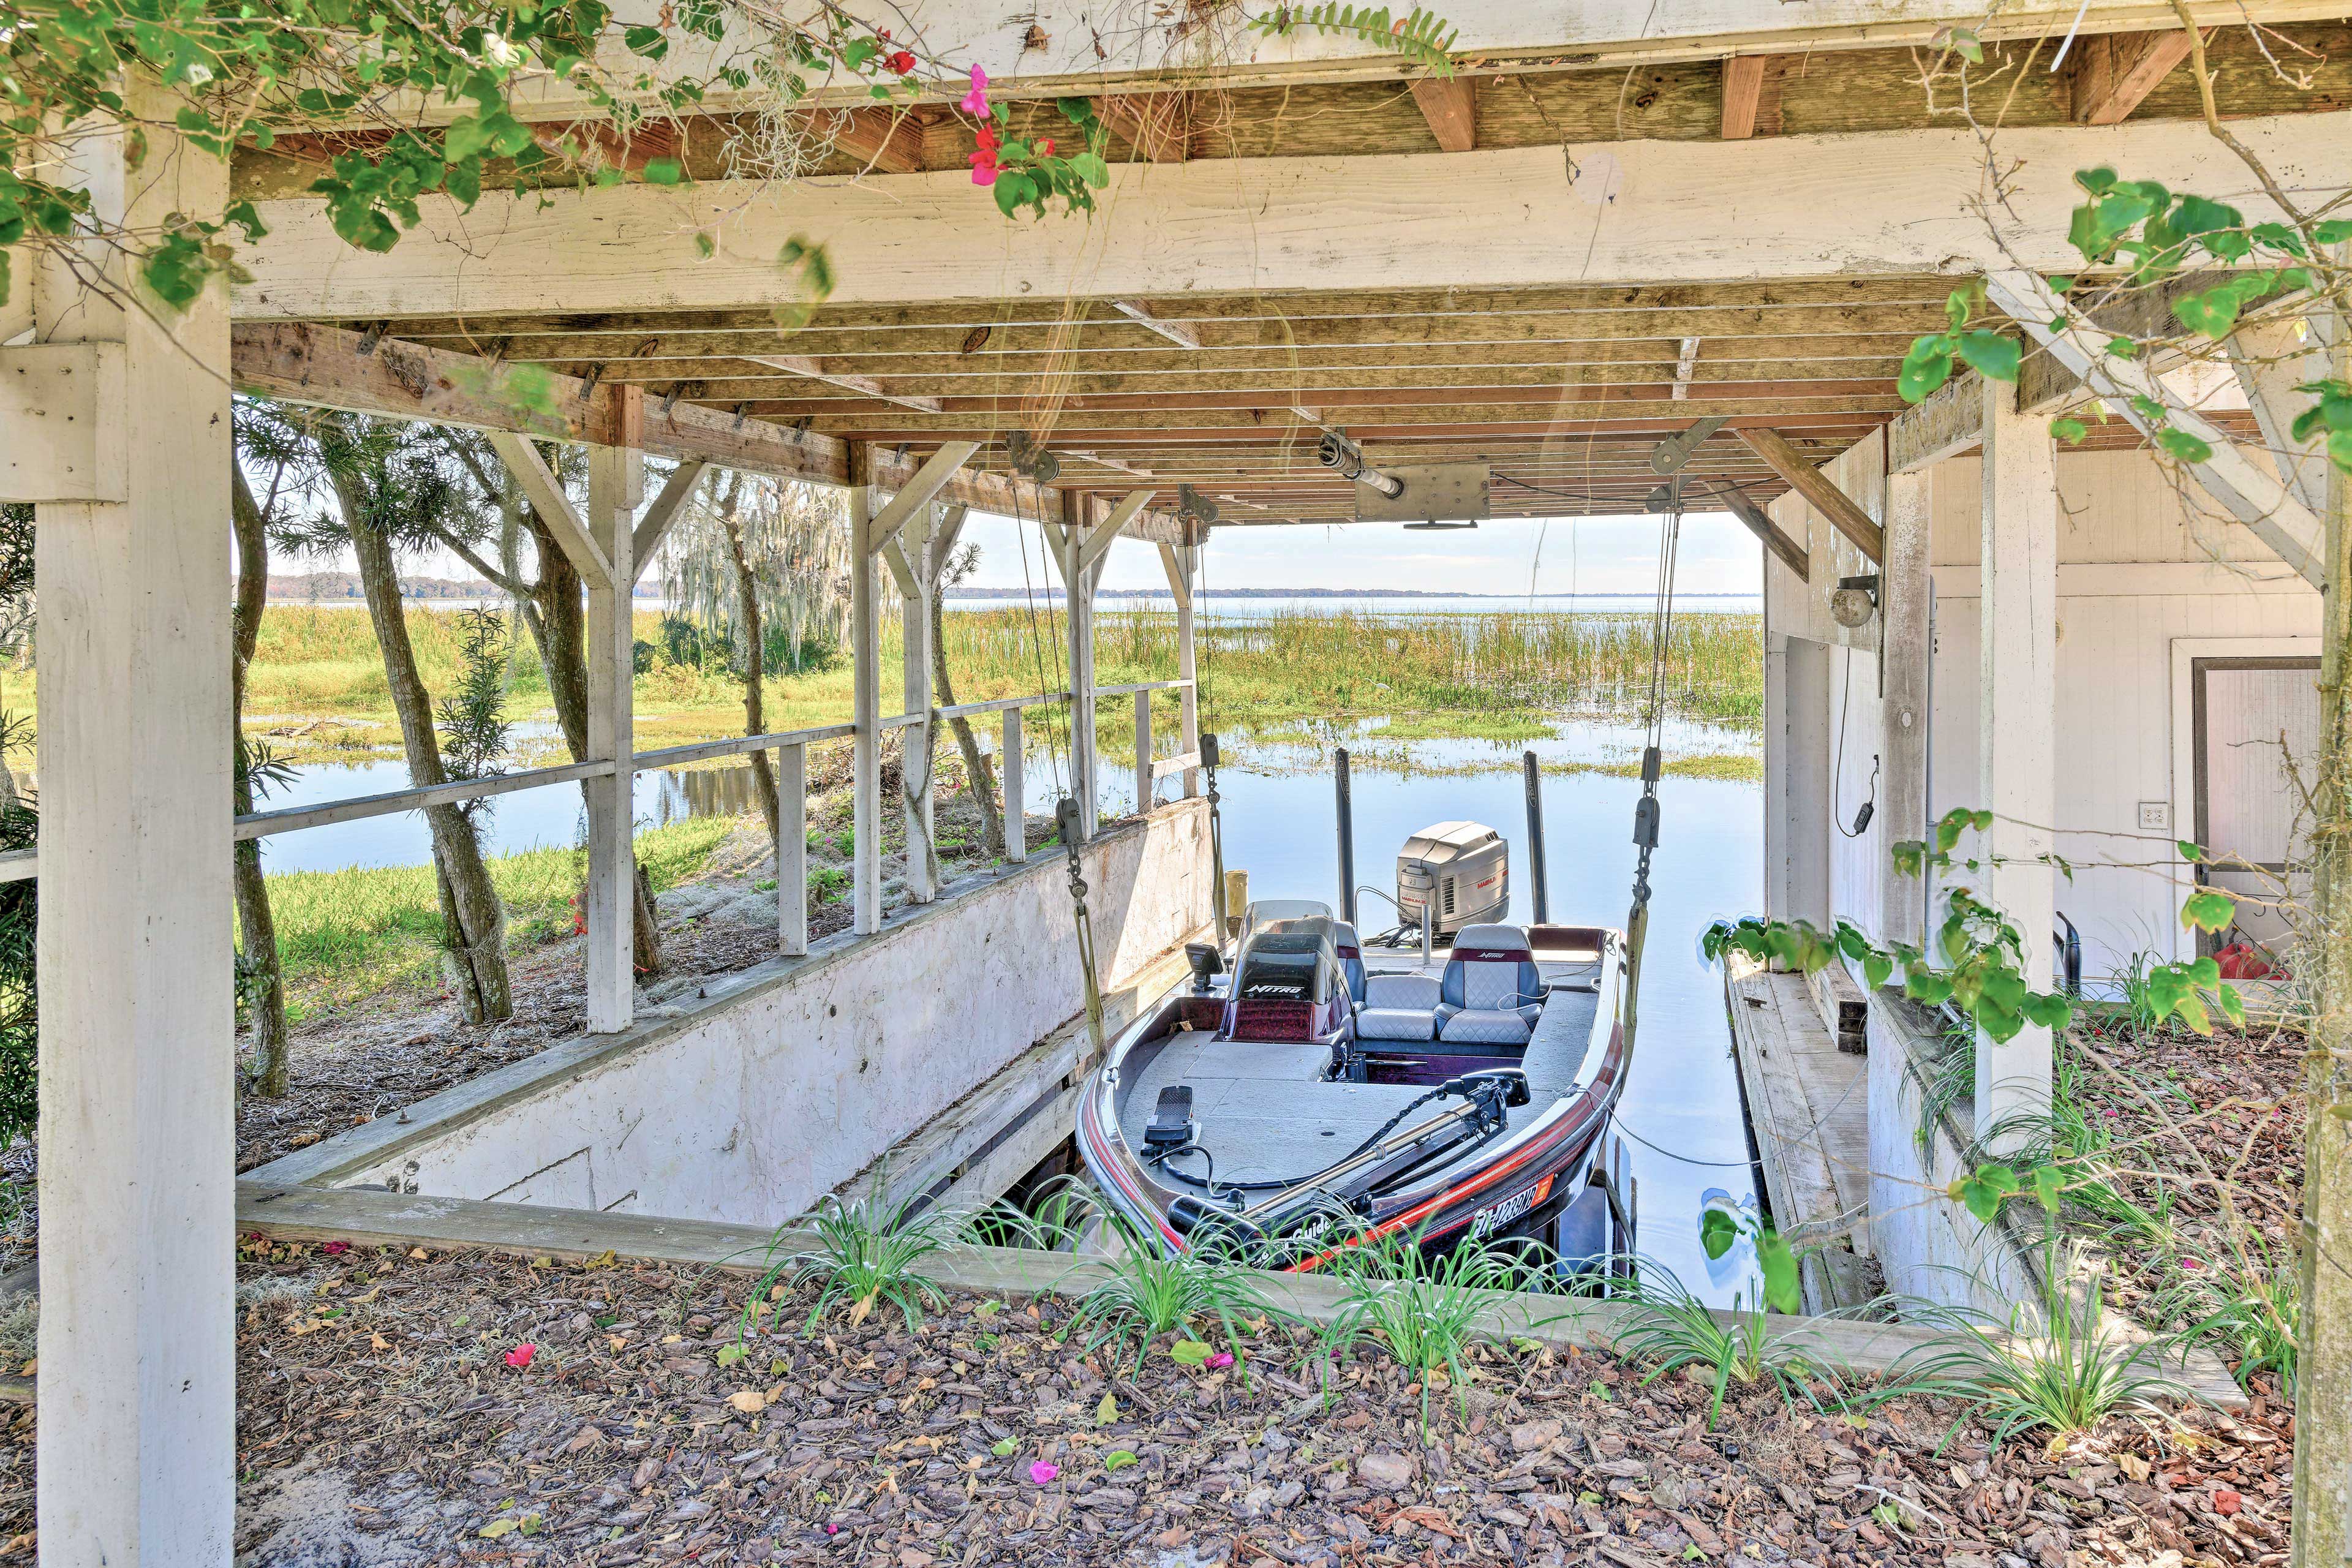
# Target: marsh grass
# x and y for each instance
(349, 934)
(866, 1254)
(1423, 1311)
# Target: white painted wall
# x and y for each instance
(763, 1103)
(2147, 573)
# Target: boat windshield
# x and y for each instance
(1264, 913)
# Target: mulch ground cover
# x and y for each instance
(2209, 1135)
(445, 1408)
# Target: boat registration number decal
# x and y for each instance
(1495, 1216)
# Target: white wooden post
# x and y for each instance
(791, 849)
(911, 560)
(137, 1390)
(1143, 790)
(1078, 585)
(1016, 811)
(1182, 564)
(615, 479)
(1906, 651)
(866, 664)
(2016, 731)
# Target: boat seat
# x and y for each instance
(1350, 949)
(1398, 1007)
(1491, 993)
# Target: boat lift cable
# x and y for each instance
(1208, 745)
(1645, 810)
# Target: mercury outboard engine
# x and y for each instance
(1460, 871)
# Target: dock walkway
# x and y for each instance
(1809, 1113)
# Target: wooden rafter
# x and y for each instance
(807, 366)
(1450, 104)
(1751, 95)
(1686, 362)
(2113, 73)
(1820, 491)
(888, 140)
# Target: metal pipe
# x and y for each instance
(1347, 835)
(1535, 884)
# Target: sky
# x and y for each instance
(1511, 556)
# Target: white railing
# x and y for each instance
(791, 788)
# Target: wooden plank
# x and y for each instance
(1909, 202)
(1785, 550)
(2113, 73)
(1906, 652)
(866, 679)
(1751, 95)
(366, 1216)
(2272, 358)
(1945, 424)
(1450, 105)
(916, 493)
(655, 526)
(1100, 538)
(1685, 366)
(609, 901)
(808, 367)
(1820, 491)
(545, 492)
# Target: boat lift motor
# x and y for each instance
(1460, 871)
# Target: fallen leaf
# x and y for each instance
(1429, 1518)
(1106, 1412)
(749, 1401)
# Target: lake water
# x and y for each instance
(1229, 608)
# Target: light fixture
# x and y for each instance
(1344, 458)
(1855, 600)
(1432, 525)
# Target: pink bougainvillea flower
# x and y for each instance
(2190, 1266)
(521, 1355)
(1220, 1360)
(1045, 147)
(1042, 1472)
(902, 62)
(984, 163)
(975, 103)
(833, 1530)
(335, 1249)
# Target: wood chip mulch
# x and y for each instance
(383, 1420)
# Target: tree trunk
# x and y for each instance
(261, 978)
(474, 923)
(560, 628)
(978, 777)
(2323, 1423)
(755, 657)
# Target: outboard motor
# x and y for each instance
(1461, 871)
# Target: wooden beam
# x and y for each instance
(545, 493)
(916, 493)
(1907, 202)
(887, 140)
(597, 142)
(1450, 104)
(2248, 488)
(2113, 72)
(1686, 364)
(1785, 550)
(866, 385)
(1159, 125)
(1151, 323)
(1821, 492)
(329, 368)
(1751, 95)
(2272, 358)
(655, 526)
(1945, 422)
(1099, 539)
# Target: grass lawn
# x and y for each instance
(347, 935)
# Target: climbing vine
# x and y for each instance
(377, 75)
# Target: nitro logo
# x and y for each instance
(1274, 991)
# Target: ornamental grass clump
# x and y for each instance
(1147, 1290)
(864, 1253)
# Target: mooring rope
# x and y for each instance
(1645, 810)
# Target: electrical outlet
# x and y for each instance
(2156, 815)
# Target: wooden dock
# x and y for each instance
(1808, 1106)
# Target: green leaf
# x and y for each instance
(1106, 1412)
(2185, 446)
(1782, 1289)
(2067, 429)
(1119, 1459)
(705, 246)
(1717, 1232)
(664, 172)
(730, 1354)
(1188, 1352)
(1004, 1447)
(2208, 909)
(2232, 1004)
(1992, 355)
(2189, 852)
(1925, 367)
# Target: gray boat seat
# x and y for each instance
(1492, 992)
(1398, 1007)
